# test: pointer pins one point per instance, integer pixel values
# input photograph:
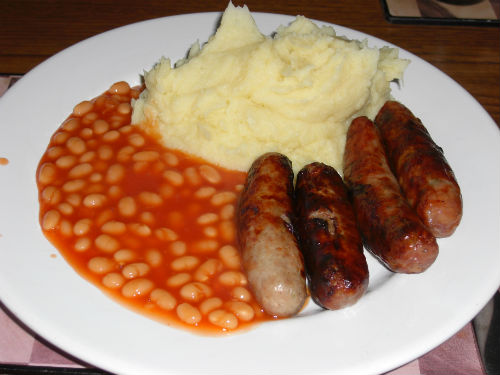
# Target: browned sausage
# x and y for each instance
(390, 228)
(270, 254)
(329, 238)
(423, 173)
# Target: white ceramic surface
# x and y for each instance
(399, 319)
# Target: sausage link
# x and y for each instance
(336, 267)
(270, 255)
(390, 228)
(423, 173)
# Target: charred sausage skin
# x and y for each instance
(390, 228)
(423, 173)
(330, 241)
(270, 254)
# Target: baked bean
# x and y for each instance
(113, 227)
(165, 234)
(178, 280)
(210, 174)
(205, 246)
(115, 192)
(111, 136)
(140, 166)
(120, 88)
(124, 108)
(105, 152)
(76, 145)
(74, 199)
(73, 186)
(173, 177)
(208, 218)
(87, 156)
(104, 216)
(51, 220)
(148, 156)
(124, 154)
(207, 269)
(154, 257)
(55, 152)
(150, 199)
(83, 108)
(205, 192)
(47, 173)
(223, 319)
(157, 167)
(95, 177)
(117, 121)
(82, 244)
(240, 293)
(147, 217)
(232, 278)
(188, 313)
(60, 137)
(100, 265)
(192, 176)
(140, 229)
(100, 126)
(81, 170)
(65, 208)
(195, 291)
(238, 188)
(124, 256)
(230, 257)
(71, 124)
(126, 129)
(65, 228)
(86, 133)
(210, 232)
(113, 280)
(222, 198)
(185, 263)
(242, 310)
(227, 231)
(227, 212)
(82, 227)
(89, 118)
(166, 191)
(115, 173)
(137, 287)
(66, 161)
(51, 195)
(133, 270)
(106, 243)
(163, 299)
(127, 206)
(136, 140)
(94, 200)
(171, 159)
(178, 248)
(210, 304)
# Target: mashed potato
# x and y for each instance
(244, 93)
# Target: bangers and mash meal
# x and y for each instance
(246, 177)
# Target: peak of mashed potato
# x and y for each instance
(243, 93)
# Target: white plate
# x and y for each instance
(399, 319)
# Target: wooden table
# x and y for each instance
(33, 30)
